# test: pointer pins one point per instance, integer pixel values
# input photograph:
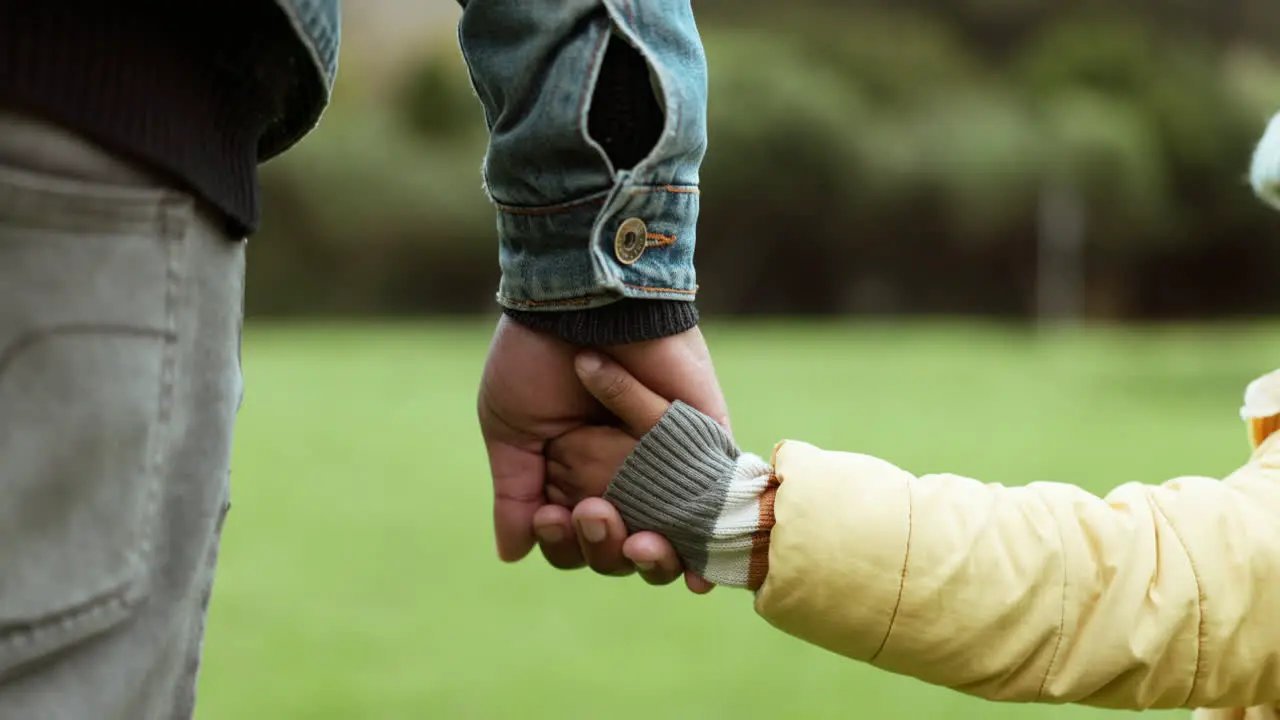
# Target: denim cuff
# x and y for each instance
(636, 242)
(575, 231)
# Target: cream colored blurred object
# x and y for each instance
(1264, 171)
(1261, 411)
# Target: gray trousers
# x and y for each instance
(120, 316)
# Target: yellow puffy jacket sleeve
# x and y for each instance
(1152, 597)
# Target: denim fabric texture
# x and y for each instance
(574, 231)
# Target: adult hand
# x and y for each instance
(678, 367)
(530, 394)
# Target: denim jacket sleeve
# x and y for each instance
(574, 231)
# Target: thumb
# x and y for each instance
(638, 407)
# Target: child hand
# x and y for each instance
(582, 462)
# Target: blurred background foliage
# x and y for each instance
(878, 157)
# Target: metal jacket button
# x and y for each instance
(630, 242)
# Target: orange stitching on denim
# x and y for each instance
(661, 289)
(542, 303)
(664, 188)
(659, 240)
(588, 298)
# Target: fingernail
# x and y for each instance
(645, 566)
(550, 533)
(593, 530)
(588, 362)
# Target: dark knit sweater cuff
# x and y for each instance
(687, 481)
(619, 323)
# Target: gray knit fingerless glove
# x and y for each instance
(688, 481)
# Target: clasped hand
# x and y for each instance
(552, 446)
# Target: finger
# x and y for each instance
(518, 478)
(678, 367)
(556, 496)
(653, 557)
(697, 584)
(562, 485)
(658, 564)
(638, 407)
(519, 375)
(553, 526)
(560, 449)
(600, 535)
(559, 483)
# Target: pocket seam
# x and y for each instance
(68, 204)
(131, 585)
(33, 338)
(134, 585)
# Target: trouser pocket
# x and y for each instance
(87, 291)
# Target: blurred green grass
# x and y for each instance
(358, 580)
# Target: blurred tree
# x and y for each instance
(437, 100)
(883, 156)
